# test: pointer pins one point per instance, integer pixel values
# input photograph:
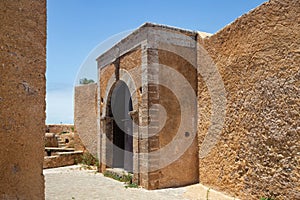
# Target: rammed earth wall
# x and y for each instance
(22, 98)
(85, 118)
(257, 56)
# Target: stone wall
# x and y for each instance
(68, 141)
(257, 57)
(85, 117)
(50, 140)
(105, 75)
(22, 98)
(62, 159)
(59, 128)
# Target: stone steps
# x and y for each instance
(61, 143)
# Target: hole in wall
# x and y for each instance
(187, 134)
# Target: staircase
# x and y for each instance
(61, 143)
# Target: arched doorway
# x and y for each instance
(122, 128)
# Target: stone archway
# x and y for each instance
(119, 127)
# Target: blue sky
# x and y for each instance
(76, 27)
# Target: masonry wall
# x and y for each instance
(131, 63)
(85, 117)
(22, 98)
(257, 56)
(150, 170)
(104, 74)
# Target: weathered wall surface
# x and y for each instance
(105, 74)
(68, 141)
(131, 60)
(62, 159)
(51, 140)
(257, 56)
(85, 116)
(183, 171)
(59, 128)
(22, 98)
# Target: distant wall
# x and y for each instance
(257, 56)
(85, 116)
(59, 128)
(62, 159)
(22, 98)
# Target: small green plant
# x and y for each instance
(88, 160)
(266, 198)
(207, 193)
(72, 128)
(85, 81)
(126, 178)
(112, 175)
(131, 185)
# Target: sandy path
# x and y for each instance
(67, 183)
